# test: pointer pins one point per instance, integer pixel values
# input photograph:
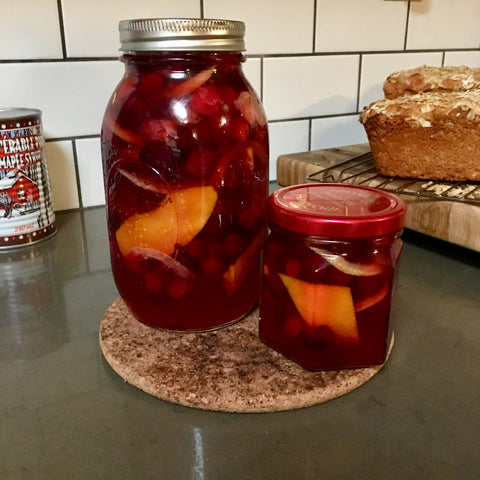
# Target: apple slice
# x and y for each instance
(115, 128)
(188, 86)
(250, 108)
(350, 268)
(176, 221)
(144, 183)
(372, 299)
(168, 263)
(320, 304)
(238, 271)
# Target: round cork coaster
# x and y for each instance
(227, 370)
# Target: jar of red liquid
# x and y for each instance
(185, 155)
(328, 276)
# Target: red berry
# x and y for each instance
(206, 100)
(233, 245)
(241, 129)
(229, 95)
(200, 164)
(158, 130)
(222, 127)
(150, 84)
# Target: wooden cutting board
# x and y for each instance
(453, 221)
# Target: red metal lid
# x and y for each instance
(336, 210)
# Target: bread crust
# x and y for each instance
(431, 79)
(430, 136)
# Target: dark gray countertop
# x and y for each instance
(64, 413)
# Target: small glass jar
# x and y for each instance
(185, 157)
(328, 275)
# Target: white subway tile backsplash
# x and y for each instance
(30, 29)
(444, 24)
(89, 161)
(61, 172)
(71, 95)
(472, 59)
(309, 86)
(377, 67)
(314, 63)
(287, 137)
(91, 26)
(350, 25)
(271, 26)
(337, 132)
(252, 69)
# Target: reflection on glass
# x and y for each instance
(32, 307)
(198, 460)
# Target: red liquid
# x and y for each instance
(366, 269)
(176, 123)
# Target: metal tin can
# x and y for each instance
(329, 269)
(26, 211)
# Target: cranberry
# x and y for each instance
(151, 83)
(233, 245)
(229, 95)
(159, 130)
(241, 129)
(200, 164)
(206, 100)
(222, 127)
(317, 337)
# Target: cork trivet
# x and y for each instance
(227, 370)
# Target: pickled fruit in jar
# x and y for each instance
(185, 152)
(326, 299)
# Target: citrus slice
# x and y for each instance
(238, 271)
(320, 304)
(177, 220)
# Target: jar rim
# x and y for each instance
(336, 210)
(173, 34)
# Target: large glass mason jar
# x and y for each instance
(185, 158)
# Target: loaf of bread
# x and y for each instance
(431, 79)
(428, 135)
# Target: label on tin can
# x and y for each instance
(26, 212)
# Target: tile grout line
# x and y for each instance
(407, 21)
(359, 80)
(264, 55)
(77, 172)
(62, 28)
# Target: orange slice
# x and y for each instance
(176, 221)
(238, 271)
(320, 304)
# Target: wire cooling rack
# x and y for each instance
(360, 170)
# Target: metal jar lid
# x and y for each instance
(168, 34)
(15, 113)
(336, 210)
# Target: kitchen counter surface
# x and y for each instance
(64, 413)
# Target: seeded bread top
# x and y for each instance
(427, 79)
(424, 108)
